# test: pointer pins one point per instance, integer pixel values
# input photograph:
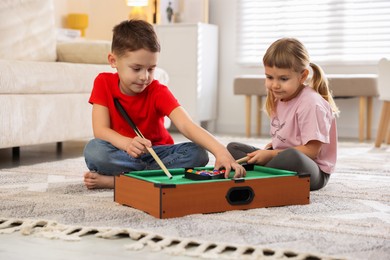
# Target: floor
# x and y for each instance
(41, 153)
(16, 246)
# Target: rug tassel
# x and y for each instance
(135, 234)
(26, 227)
(111, 233)
(86, 230)
(140, 243)
(241, 250)
(160, 245)
(215, 253)
(179, 248)
(8, 226)
(201, 249)
(60, 232)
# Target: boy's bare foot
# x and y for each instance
(94, 180)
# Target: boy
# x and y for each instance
(116, 148)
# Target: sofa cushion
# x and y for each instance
(27, 30)
(94, 52)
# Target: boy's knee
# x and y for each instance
(94, 151)
(203, 157)
(199, 155)
(89, 150)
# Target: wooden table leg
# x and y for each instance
(388, 133)
(258, 115)
(248, 103)
(384, 122)
(369, 118)
(362, 115)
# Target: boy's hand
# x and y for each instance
(227, 162)
(240, 171)
(137, 146)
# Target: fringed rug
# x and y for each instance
(348, 219)
(156, 242)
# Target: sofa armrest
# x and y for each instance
(92, 52)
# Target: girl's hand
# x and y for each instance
(268, 146)
(136, 146)
(261, 157)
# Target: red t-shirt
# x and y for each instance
(146, 109)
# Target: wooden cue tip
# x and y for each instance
(242, 160)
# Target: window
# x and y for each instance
(334, 31)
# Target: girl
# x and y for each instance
(303, 125)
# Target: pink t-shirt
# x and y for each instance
(304, 118)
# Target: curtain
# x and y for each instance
(336, 32)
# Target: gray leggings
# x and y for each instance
(290, 159)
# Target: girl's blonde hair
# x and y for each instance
(289, 53)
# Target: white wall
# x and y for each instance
(103, 15)
(231, 109)
(61, 9)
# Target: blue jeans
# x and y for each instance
(104, 158)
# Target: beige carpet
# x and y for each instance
(348, 219)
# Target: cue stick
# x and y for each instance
(243, 159)
(138, 132)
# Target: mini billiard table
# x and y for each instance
(154, 193)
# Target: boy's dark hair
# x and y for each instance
(133, 35)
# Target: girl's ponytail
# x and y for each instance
(320, 84)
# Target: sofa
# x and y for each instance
(45, 84)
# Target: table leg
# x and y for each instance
(248, 104)
(388, 136)
(384, 122)
(258, 115)
(369, 118)
(362, 115)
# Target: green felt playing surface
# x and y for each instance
(158, 176)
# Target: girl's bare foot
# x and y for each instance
(94, 180)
